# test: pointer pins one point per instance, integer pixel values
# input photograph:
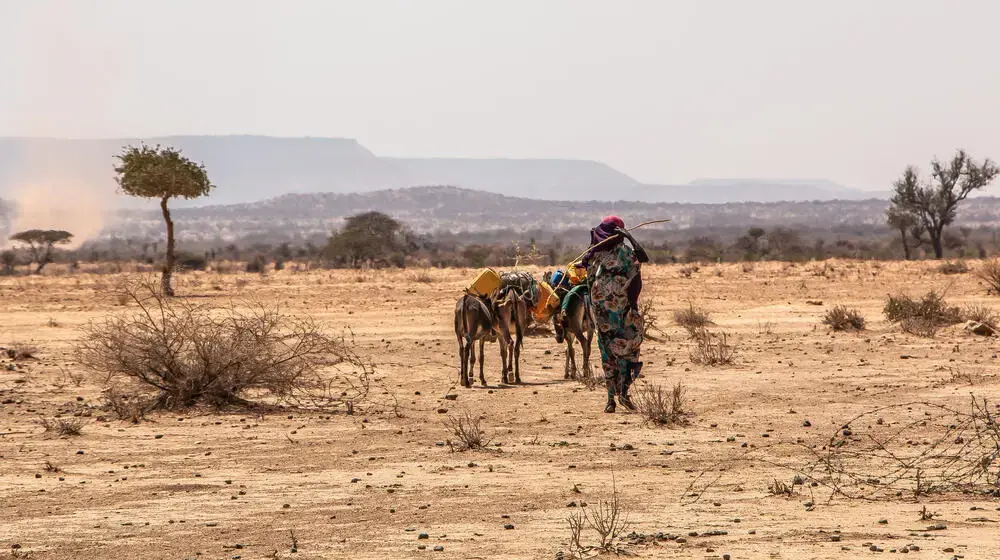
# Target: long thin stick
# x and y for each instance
(615, 236)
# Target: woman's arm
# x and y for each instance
(640, 253)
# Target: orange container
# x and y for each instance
(547, 303)
(576, 275)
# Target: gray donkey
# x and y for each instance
(474, 321)
(574, 320)
(512, 322)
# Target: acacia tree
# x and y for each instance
(934, 203)
(162, 173)
(41, 244)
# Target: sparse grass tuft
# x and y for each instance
(468, 433)
(980, 314)
(63, 426)
(712, 349)
(921, 317)
(989, 272)
(840, 318)
(953, 267)
(129, 408)
(660, 405)
(693, 319)
(422, 277)
(779, 488)
(19, 351)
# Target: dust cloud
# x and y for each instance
(60, 203)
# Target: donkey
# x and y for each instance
(574, 320)
(474, 321)
(512, 318)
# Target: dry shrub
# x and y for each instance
(609, 519)
(956, 267)
(693, 319)
(989, 272)
(63, 426)
(921, 317)
(712, 349)
(468, 433)
(660, 405)
(650, 317)
(19, 351)
(840, 318)
(980, 314)
(189, 353)
(779, 488)
(422, 277)
(687, 271)
(130, 408)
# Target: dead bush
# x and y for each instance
(190, 353)
(989, 272)
(980, 314)
(468, 433)
(19, 351)
(687, 271)
(609, 519)
(650, 318)
(712, 349)
(423, 277)
(956, 267)
(63, 426)
(840, 318)
(660, 405)
(692, 319)
(130, 408)
(921, 317)
(779, 488)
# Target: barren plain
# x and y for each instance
(297, 484)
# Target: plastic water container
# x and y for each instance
(548, 303)
(576, 275)
(486, 282)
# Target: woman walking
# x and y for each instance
(614, 273)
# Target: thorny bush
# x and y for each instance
(189, 353)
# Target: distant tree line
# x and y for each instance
(918, 224)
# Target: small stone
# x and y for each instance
(423, 536)
(158, 436)
(438, 548)
(883, 521)
(509, 526)
(807, 423)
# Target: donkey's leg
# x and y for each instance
(504, 345)
(519, 336)
(482, 360)
(569, 350)
(463, 364)
(572, 372)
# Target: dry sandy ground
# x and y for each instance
(239, 485)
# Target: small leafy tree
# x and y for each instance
(934, 203)
(41, 244)
(371, 237)
(908, 226)
(162, 173)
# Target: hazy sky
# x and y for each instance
(666, 91)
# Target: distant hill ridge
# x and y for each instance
(253, 168)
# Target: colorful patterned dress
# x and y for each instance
(619, 324)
